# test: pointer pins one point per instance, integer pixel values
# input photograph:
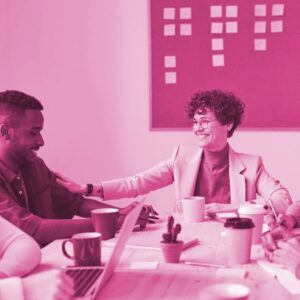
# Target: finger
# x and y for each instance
(153, 217)
(153, 211)
(62, 182)
(150, 221)
(61, 176)
(145, 221)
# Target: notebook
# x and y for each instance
(88, 281)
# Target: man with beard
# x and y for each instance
(30, 198)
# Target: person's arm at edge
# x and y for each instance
(11, 288)
(21, 256)
(19, 252)
(272, 190)
(294, 212)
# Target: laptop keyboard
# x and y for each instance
(83, 277)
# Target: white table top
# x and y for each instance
(176, 281)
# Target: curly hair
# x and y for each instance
(227, 107)
(14, 103)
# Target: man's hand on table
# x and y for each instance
(148, 215)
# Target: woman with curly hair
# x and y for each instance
(213, 169)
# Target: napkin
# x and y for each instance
(285, 277)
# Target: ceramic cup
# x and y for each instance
(86, 248)
(105, 221)
(191, 208)
(256, 213)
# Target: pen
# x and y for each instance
(201, 264)
(190, 243)
(273, 210)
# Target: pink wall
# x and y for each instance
(88, 63)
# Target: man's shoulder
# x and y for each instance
(36, 167)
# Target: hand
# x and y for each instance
(286, 221)
(269, 243)
(270, 220)
(288, 254)
(49, 285)
(70, 185)
(147, 215)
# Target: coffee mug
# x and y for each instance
(239, 239)
(105, 221)
(191, 208)
(86, 248)
(256, 213)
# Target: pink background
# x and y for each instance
(88, 62)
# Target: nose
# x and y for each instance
(198, 126)
(40, 141)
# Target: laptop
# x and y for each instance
(88, 281)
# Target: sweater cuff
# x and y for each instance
(11, 288)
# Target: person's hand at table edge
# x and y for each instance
(148, 215)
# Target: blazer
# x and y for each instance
(248, 179)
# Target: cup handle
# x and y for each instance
(64, 250)
(178, 207)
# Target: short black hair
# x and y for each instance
(227, 107)
(14, 103)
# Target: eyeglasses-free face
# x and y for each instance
(211, 134)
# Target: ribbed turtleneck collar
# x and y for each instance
(216, 158)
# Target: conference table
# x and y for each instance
(143, 274)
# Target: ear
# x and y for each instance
(4, 131)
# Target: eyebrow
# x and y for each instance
(36, 128)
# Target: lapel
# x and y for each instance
(236, 178)
(189, 174)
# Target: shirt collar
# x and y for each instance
(7, 173)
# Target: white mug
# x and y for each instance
(191, 208)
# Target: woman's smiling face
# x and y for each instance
(211, 134)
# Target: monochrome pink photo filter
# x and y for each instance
(121, 84)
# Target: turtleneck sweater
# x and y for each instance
(213, 177)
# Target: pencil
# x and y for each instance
(273, 210)
(202, 264)
(190, 243)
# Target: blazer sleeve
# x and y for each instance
(19, 253)
(142, 183)
(271, 189)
